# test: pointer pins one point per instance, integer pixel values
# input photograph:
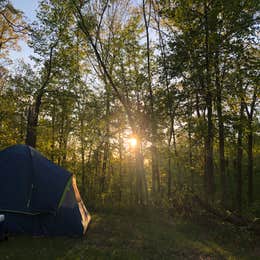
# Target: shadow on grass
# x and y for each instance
(141, 234)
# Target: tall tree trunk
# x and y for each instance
(250, 161)
(142, 192)
(34, 110)
(104, 167)
(120, 167)
(53, 121)
(209, 170)
(106, 148)
(96, 176)
(88, 178)
(154, 150)
(239, 160)
(220, 133)
(190, 145)
(61, 137)
(21, 126)
(170, 106)
(170, 159)
(250, 170)
(32, 120)
(175, 152)
(82, 148)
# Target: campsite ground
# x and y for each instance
(140, 234)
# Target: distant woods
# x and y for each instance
(179, 78)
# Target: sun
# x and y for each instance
(133, 142)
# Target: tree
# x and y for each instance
(92, 33)
(47, 37)
(12, 28)
(205, 36)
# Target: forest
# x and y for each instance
(154, 106)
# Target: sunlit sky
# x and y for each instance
(28, 7)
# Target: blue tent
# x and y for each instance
(37, 196)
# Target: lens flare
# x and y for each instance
(133, 142)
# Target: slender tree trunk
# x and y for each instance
(250, 145)
(96, 176)
(169, 171)
(104, 168)
(170, 159)
(21, 134)
(209, 172)
(53, 121)
(32, 120)
(64, 152)
(120, 167)
(154, 150)
(209, 152)
(221, 134)
(131, 171)
(170, 101)
(106, 148)
(89, 173)
(142, 192)
(82, 148)
(61, 137)
(250, 162)
(190, 146)
(239, 161)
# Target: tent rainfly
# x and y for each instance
(39, 197)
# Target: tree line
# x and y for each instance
(180, 78)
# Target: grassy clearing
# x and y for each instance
(146, 234)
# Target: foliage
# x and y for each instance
(182, 78)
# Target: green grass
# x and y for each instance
(141, 234)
